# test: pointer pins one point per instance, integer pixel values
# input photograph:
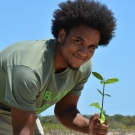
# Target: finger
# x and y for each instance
(101, 126)
(101, 129)
(92, 123)
(106, 123)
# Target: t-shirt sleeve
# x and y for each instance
(22, 86)
(80, 85)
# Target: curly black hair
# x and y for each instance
(85, 12)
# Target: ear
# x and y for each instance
(61, 35)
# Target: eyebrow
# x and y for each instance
(84, 41)
(79, 38)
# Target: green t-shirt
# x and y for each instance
(28, 80)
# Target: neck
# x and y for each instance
(59, 63)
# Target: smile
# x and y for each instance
(79, 58)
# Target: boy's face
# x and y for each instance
(79, 46)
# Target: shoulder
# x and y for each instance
(86, 67)
(27, 53)
(22, 87)
(23, 79)
(23, 75)
(27, 46)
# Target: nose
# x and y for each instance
(82, 51)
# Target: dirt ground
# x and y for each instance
(120, 133)
(110, 133)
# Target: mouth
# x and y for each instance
(79, 58)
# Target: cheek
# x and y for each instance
(66, 51)
(69, 48)
(90, 54)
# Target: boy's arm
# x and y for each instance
(68, 114)
(23, 122)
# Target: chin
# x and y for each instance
(72, 67)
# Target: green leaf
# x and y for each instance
(96, 105)
(97, 75)
(108, 95)
(111, 80)
(100, 92)
(102, 118)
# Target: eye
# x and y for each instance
(78, 41)
(93, 47)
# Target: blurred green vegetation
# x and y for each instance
(117, 122)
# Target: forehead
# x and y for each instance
(85, 32)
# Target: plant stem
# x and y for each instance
(103, 95)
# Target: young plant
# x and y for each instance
(96, 104)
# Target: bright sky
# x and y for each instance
(31, 20)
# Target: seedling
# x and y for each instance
(96, 104)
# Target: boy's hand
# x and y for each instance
(95, 128)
